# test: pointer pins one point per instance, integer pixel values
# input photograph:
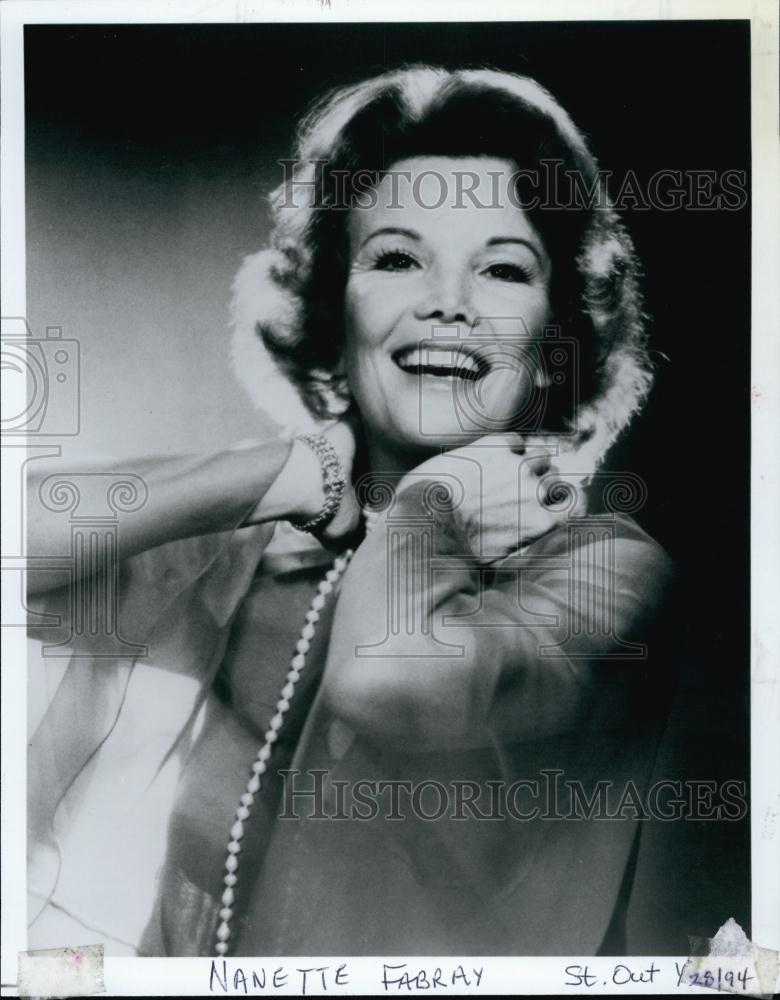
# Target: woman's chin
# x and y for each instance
(433, 431)
(405, 435)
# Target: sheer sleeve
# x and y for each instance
(432, 649)
(531, 691)
(121, 665)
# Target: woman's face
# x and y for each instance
(448, 286)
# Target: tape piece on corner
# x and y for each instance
(61, 972)
(731, 963)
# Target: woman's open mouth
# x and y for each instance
(439, 362)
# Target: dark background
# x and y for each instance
(149, 153)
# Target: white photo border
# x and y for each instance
(186, 976)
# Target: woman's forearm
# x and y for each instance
(428, 659)
(186, 496)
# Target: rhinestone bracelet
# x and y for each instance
(333, 480)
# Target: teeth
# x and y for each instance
(456, 361)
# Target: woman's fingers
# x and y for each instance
(341, 436)
(507, 493)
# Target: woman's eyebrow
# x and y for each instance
(391, 231)
(496, 240)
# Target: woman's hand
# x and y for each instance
(500, 489)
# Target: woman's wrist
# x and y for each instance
(296, 493)
(334, 481)
(312, 486)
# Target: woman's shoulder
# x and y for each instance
(613, 543)
(583, 529)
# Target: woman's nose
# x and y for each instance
(446, 298)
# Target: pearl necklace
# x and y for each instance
(260, 764)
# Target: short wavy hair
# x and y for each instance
(429, 111)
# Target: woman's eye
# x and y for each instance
(508, 272)
(395, 260)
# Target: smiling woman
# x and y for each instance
(431, 293)
(466, 361)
